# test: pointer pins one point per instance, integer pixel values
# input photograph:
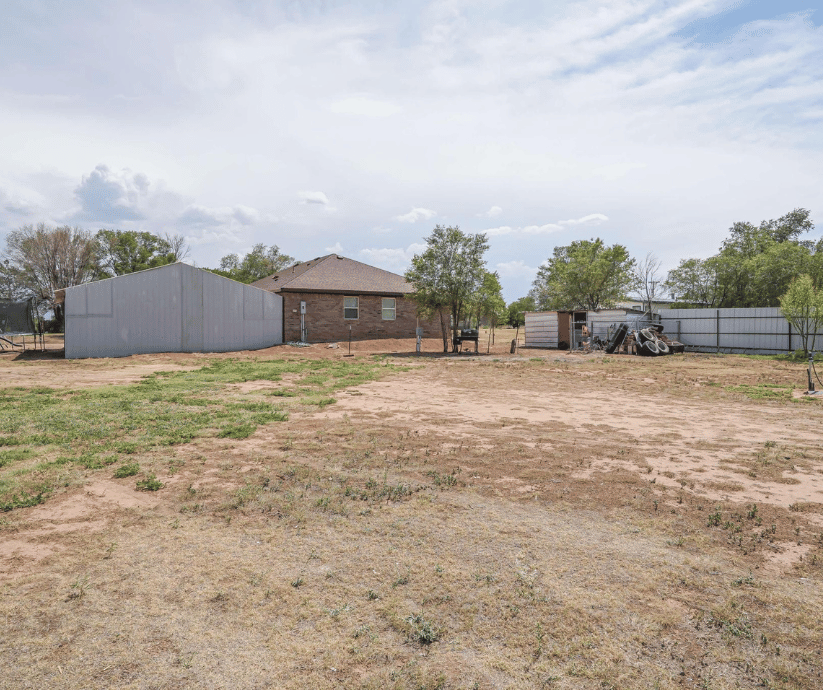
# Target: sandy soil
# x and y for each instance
(598, 472)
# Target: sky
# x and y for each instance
(326, 126)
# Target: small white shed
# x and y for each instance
(174, 308)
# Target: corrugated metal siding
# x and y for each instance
(600, 321)
(541, 329)
(174, 308)
(757, 330)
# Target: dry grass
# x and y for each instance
(468, 523)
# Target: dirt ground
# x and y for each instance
(538, 519)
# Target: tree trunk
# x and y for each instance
(59, 319)
(444, 331)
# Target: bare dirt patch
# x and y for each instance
(539, 520)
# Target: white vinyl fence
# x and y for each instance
(750, 331)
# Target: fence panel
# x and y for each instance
(762, 330)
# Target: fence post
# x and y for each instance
(718, 330)
(790, 337)
(678, 331)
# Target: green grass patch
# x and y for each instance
(22, 501)
(128, 470)
(762, 391)
(796, 356)
(284, 393)
(9, 456)
(237, 431)
(150, 483)
(90, 429)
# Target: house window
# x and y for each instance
(389, 309)
(351, 307)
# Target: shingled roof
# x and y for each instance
(335, 274)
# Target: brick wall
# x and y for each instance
(325, 322)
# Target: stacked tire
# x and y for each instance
(647, 344)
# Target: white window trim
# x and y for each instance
(345, 308)
(393, 309)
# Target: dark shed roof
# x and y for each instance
(336, 274)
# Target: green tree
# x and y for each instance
(43, 259)
(488, 303)
(515, 312)
(755, 264)
(695, 282)
(128, 251)
(448, 274)
(10, 283)
(586, 274)
(260, 262)
(802, 305)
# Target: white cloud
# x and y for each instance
(210, 237)
(313, 198)
(516, 269)
(502, 230)
(547, 228)
(203, 216)
(416, 214)
(108, 197)
(337, 248)
(16, 204)
(367, 107)
(549, 108)
(491, 213)
(392, 259)
(592, 219)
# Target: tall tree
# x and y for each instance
(260, 262)
(755, 264)
(44, 259)
(128, 251)
(10, 283)
(447, 275)
(586, 274)
(696, 282)
(515, 312)
(802, 305)
(488, 303)
(648, 280)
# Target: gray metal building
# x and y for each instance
(174, 308)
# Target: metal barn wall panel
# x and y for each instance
(191, 295)
(541, 329)
(175, 308)
(144, 316)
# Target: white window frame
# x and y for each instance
(392, 308)
(348, 307)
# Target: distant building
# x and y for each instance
(639, 303)
(327, 298)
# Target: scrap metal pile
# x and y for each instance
(646, 342)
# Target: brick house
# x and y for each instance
(326, 296)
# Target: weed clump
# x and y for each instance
(422, 630)
(127, 470)
(150, 483)
(22, 501)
